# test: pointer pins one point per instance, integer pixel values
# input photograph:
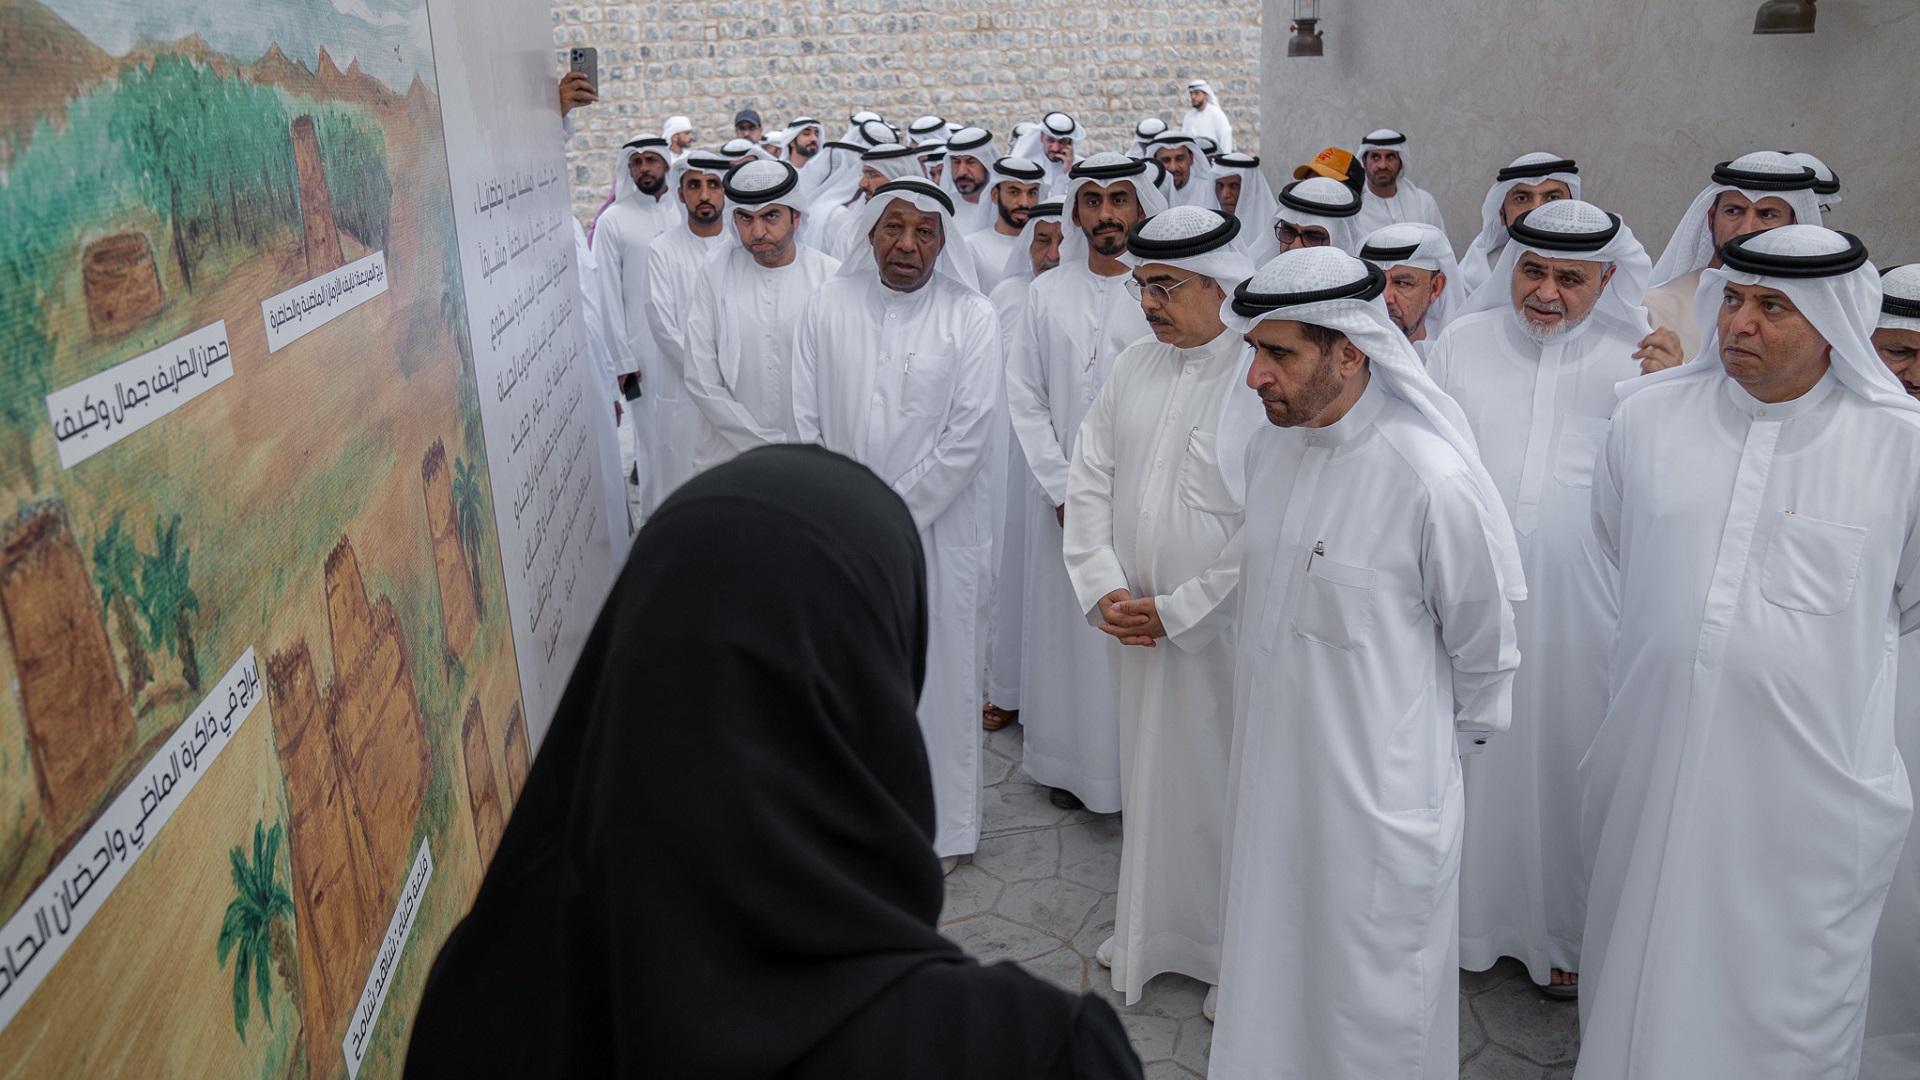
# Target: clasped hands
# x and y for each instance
(1134, 620)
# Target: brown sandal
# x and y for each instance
(993, 717)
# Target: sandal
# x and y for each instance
(993, 717)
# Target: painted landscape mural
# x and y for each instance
(261, 723)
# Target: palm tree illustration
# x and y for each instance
(166, 598)
(467, 498)
(116, 564)
(247, 933)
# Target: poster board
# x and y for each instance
(277, 649)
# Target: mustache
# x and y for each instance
(1558, 307)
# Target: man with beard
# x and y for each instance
(1188, 170)
(1036, 252)
(747, 125)
(1078, 319)
(1375, 635)
(965, 179)
(1893, 999)
(897, 365)
(638, 213)
(1418, 262)
(803, 141)
(1744, 800)
(1390, 198)
(1152, 548)
(745, 304)
(673, 266)
(1762, 190)
(1535, 372)
(1016, 188)
(1530, 181)
(1207, 119)
(679, 134)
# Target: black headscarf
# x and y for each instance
(722, 865)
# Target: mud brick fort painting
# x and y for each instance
(252, 602)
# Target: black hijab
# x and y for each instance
(722, 865)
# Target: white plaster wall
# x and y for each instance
(1646, 94)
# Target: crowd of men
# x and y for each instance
(1414, 611)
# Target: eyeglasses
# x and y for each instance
(1161, 293)
(1313, 236)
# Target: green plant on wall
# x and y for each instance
(166, 598)
(116, 564)
(247, 932)
(468, 505)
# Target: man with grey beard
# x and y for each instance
(1533, 366)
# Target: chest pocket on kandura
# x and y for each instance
(1812, 564)
(1199, 482)
(1336, 603)
(1581, 439)
(926, 382)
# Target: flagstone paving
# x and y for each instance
(1040, 892)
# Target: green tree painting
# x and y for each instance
(468, 505)
(166, 598)
(247, 932)
(116, 564)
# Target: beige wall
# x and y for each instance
(1646, 94)
(991, 62)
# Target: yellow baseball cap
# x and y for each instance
(1333, 162)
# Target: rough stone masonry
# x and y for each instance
(1110, 62)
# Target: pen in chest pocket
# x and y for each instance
(1320, 549)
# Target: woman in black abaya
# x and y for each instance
(722, 863)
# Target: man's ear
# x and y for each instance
(1439, 284)
(1350, 358)
(1608, 276)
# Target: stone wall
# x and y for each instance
(1109, 62)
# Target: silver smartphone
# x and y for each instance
(585, 59)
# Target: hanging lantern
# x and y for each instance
(1784, 17)
(1305, 40)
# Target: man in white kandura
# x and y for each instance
(674, 264)
(745, 305)
(1423, 288)
(1144, 132)
(888, 161)
(1318, 212)
(1054, 143)
(897, 365)
(1745, 804)
(1078, 320)
(1893, 1001)
(1207, 118)
(1532, 179)
(1037, 252)
(1762, 190)
(1152, 546)
(1015, 188)
(1242, 191)
(965, 180)
(1189, 173)
(642, 209)
(1535, 373)
(1390, 198)
(1375, 628)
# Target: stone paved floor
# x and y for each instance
(1040, 891)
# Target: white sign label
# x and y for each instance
(316, 302)
(380, 979)
(39, 933)
(100, 410)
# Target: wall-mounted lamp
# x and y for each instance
(1306, 40)
(1784, 17)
